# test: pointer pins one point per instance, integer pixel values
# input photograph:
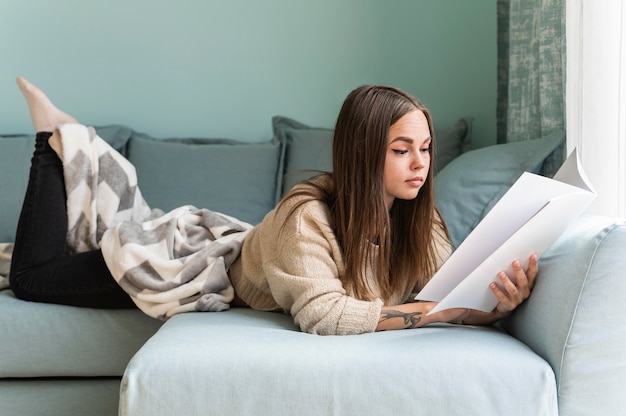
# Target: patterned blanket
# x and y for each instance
(6, 250)
(167, 262)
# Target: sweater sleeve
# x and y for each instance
(303, 275)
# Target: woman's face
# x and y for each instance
(408, 157)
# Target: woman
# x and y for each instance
(342, 253)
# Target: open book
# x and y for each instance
(530, 216)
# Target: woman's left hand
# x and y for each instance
(514, 292)
(510, 296)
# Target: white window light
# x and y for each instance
(596, 97)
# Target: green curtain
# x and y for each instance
(531, 71)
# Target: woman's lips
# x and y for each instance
(416, 181)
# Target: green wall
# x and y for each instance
(223, 69)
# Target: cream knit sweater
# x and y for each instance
(298, 271)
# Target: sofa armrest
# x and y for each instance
(575, 316)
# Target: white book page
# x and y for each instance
(526, 220)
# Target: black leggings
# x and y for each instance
(42, 269)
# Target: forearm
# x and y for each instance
(484, 318)
(408, 315)
(417, 314)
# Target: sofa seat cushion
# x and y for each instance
(249, 362)
(59, 396)
(45, 340)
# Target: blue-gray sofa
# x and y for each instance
(561, 352)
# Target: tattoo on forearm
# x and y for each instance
(411, 319)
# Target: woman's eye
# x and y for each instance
(425, 149)
(400, 152)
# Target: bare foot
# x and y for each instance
(44, 115)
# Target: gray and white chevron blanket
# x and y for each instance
(167, 262)
(6, 251)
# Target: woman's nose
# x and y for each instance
(419, 161)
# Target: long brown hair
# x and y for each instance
(406, 234)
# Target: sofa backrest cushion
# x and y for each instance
(15, 154)
(241, 179)
(227, 176)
